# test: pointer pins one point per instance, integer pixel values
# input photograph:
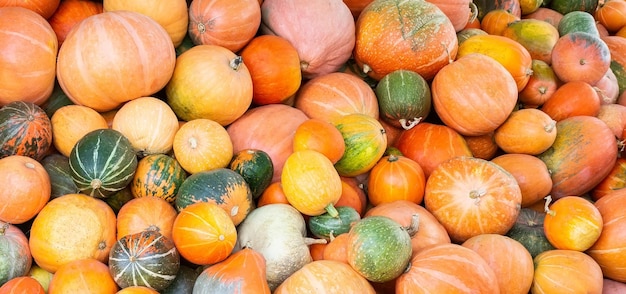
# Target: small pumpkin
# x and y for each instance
(572, 223)
(22, 285)
(256, 167)
(322, 136)
(201, 145)
(243, 271)
(365, 141)
(404, 98)
(71, 122)
(29, 190)
(396, 178)
(157, 175)
(327, 226)
(25, 129)
(526, 131)
(145, 214)
(68, 13)
(495, 21)
(323, 276)
(541, 85)
(566, 269)
(16, 258)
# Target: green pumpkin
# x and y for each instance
(324, 225)
(25, 129)
(58, 168)
(528, 230)
(256, 167)
(158, 175)
(366, 142)
(404, 98)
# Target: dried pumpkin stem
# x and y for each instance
(550, 127)
(413, 228)
(477, 194)
(236, 62)
(311, 241)
(546, 206)
(409, 124)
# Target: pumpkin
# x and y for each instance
(412, 35)
(274, 67)
(572, 223)
(114, 36)
(221, 186)
(498, 251)
(580, 56)
(22, 285)
(531, 174)
(256, 168)
(495, 21)
(546, 14)
(25, 130)
(618, 60)
(184, 281)
(404, 98)
(570, 155)
(528, 230)
(537, 36)
(102, 162)
(541, 85)
(70, 123)
(157, 175)
(526, 131)
(16, 258)
(482, 146)
(459, 12)
(145, 214)
(137, 290)
(40, 275)
(336, 249)
(396, 178)
(146, 259)
(558, 270)
(29, 188)
(87, 275)
(274, 135)
(224, 23)
(202, 144)
(242, 271)
(615, 180)
(148, 123)
(430, 144)
(311, 183)
(578, 21)
(429, 230)
(70, 12)
(58, 168)
(611, 15)
(365, 141)
(353, 195)
(119, 198)
(379, 248)
(43, 8)
(330, 96)
(608, 88)
(273, 194)
(322, 47)
(328, 227)
(430, 270)
(472, 196)
(323, 276)
(321, 136)
(171, 15)
(29, 48)
(572, 99)
(209, 82)
(56, 100)
(565, 7)
(72, 227)
(204, 233)
(485, 110)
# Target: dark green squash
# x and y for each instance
(158, 175)
(256, 167)
(57, 99)
(144, 259)
(25, 129)
(184, 281)
(102, 162)
(404, 98)
(566, 6)
(58, 168)
(484, 6)
(119, 198)
(578, 21)
(324, 225)
(528, 230)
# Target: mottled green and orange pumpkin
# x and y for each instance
(25, 129)
(256, 167)
(365, 141)
(158, 175)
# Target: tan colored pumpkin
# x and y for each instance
(202, 144)
(70, 123)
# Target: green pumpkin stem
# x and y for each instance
(331, 210)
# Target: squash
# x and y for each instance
(532, 175)
(322, 47)
(413, 35)
(611, 15)
(404, 98)
(540, 87)
(526, 131)
(69, 13)
(472, 196)
(365, 141)
(25, 130)
(96, 82)
(495, 21)
(184, 281)
(328, 227)
(323, 276)
(58, 168)
(353, 195)
(618, 60)
(71, 122)
(157, 175)
(242, 271)
(565, 7)
(146, 259)
(137, 290)
(396, 178)
(321, 136)
(145, 214)
(566, 269)
(256, 168)
(42, 276)
(460, 13)
(572, 99)
(615, 180)
(537, 36)
(27, 189)
(72, 227)
(56, 100)
(483, 146)
(102, 162)
(119, 198)
(336, 249)
(546, 14)
(580, 56)
(572, 223)
(528, 230)
(578, 21)
(83, 276)
(608, 88)
(16, 259)
(204, 233)
(273, 194)
(201, 145)
(29, 48)
(22, 285)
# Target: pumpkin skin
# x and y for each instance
(16, 257)
(58, 168)
(526, 131)
(396, 178)
(256, 167)
(29, 48)
(321, 136)
(558, 269)
(459, 12)
(242, 271)
(184, 281)
(382, 44)
(328, 227)
(483, 146)
(321, 46)
(324, 276)
(574, 170)
(528, 230)
(202, 144)
(22, 285)
(537, 36)
(404, 98)
(115, 36)
(618, 61)
(540, 87)
(204, 233)
(580, 56)
(572, 223)
(611, 15)
(44, 8)
(472, 196)
(144, 259)
(532, 175)
(30, 188)
(365, 141)
(564, 7)
(484, 111)
(495, 21)
(615, 180)
(71, 122)
(61, 233)
(572, 99)
(25, 130)
(69, 13)
(145, 214)
(86, 275)
(157, 175)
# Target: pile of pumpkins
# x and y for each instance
(327, 146)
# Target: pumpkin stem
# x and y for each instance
(450, 59)
(3, 228)
(546, 207)
(366, 68)
(331, 210)
(407, 125)
(550, 127)
(473, 12)
(413, 228)
(304, 65)
(476, 194)
(310, 241)
(236, 62)
(392, 158)
(621, 145)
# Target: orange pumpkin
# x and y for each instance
(324, 276)
(482, 146)
(145, 214)
(333, 95)
(495, 21)
(273, 194)
(615, 180)
(243, 270)
(28, 49)
(572, 99)
(72, 227)
(509, 259)
(396, 178)
(204, 233)
(352, 195)
(558, 270)
(22, 285)
(472, 196)
(274, 66)
(122, 72)
(526, 131)
(612, 15)
(86, 275)
(537, 36)
(44, 8)
(137, 290)
(572, 223)
(29, 190)
(459, 12)
(580, 56)
(541, 85)
(531, 174)
(70, 123)
(171, 15)
(546, 14)
(69, 13)
(356, 6)
(229, 24)
(202, 144)
(321, 136)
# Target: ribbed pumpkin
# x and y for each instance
(102, 162)
(16, 258)
(243, 271)
(145, 214)
(144, 259)
(43, 8)
(202, 144)
(27, 188)
(396, 178)
(28, 49)
(71, 122)
(157, 175)
(25, 129)
(365, 141)
(566, 269)
(122, 71)
(23, 284)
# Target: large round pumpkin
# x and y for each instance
(25, 129)
(28, 49)
(102, 66)
(27, 188)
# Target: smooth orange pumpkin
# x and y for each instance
(22, 285)
(531, 174)
(27, 189)
(87, 275)
(336, 249)
(202, 144)
(396, 178)
(561, 270)
(572, 223)
(243, 270)
(70, 123)
(572, 99)
(28, 50)
(580, 56)
(541, 85)
(526, 131)
(69, 13)
(353, 195)
(122, 72)
(321, 136)
(45, 8)
(612, 15)
(325, 276)
(146, 214)
(495, 21)
(272, 194)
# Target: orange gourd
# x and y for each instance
(495, 21)
(580, 56)
(336, 249)
(22, 285)
(321, 136)
(27, 189)
(202, 144)
(572, 223)
(146, 214)
(612, 15)
(541, 85)
(396, 178)
(324, 276)
(83, 276)
(70, 123)
(526, 131)
(273, 194)
(353, 195)
(572, 99)
(482, 146)
(531, 174)
(69, 13)
(243, 270)
(137, 290)
(558, 269)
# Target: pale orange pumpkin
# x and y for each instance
(146, 214)
(87, 275)
(572, 223)
(612, 15)
(526, 131)
(202, 144)
(532, 175)
(70, 123)
(325, 276)
(45, 8)
(580, 56)
(27, 188)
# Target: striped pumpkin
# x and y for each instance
(158, 175)
(58, 168)
(102, 162)
(25, 129)
(365, 140)
(144, 259)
